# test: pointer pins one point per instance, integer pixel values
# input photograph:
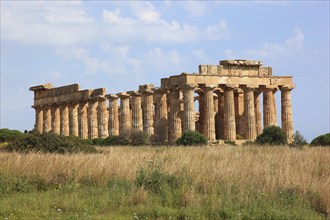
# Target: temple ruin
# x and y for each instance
(228, 97)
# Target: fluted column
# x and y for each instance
(209, 124)
(269, 106)
(56, 123)
(147, 110)
(257, 110)
(229, 114)
(47, 119)
(39, 119)
(174, 119)
(64, 118)
(201, 109)
(83, 120)
(136, 105)
(125, 114)
(161, 121)
(113, 125)
(73, 119)
(249, 114)
(220, 115)
(286, 112)
(92, 119)
(189, 109)
(239, 109)
(102, 117)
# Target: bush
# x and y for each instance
(191, 138)
(7, 135)
(139, 138)
(272, 135)
(115, 141)
(229, 142)
(298, 140)
(135, 138)
(322, 140)
(49, 143)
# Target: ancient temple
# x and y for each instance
(228, 97)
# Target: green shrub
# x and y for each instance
(139, 138)
(322, 140)
(298, 140)
(98, 141)
(7, 135)
(230, 142)
(115, 141)
(191, 138)
(49, 143)
(272, 135)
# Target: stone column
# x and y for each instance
(136, 104)
(64, 118)
(201, 110)
(249, 113)
(47, 122)
(161, 121)
(125, 114)
(209, 124)
(269, 106)
(39, 119)
(239, 110)
(286, 112)
(174, 115)
(56, 123)
(257, 110)
(102, 117)
(229, 114)
(113, 125)
(189, 109)
(92, 119)
(147, 109)
(83, 120)
(73, 120)
(220, 118)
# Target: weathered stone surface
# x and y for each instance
(286, 112)
(113, 125)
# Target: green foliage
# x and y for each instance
(322, 140)
(230, 142)
(191, 138)
(136, 138)
(298, 140)
(98, 141)
(139, 138)
(115, 141)
(49, 143)
(7, 135)
(272, 135)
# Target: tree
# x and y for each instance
(272, 135)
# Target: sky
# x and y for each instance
(121, 45)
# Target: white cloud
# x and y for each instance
(291, 46)
(195, 8)
(217, 31)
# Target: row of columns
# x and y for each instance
(166, 114)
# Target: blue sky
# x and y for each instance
(120, 45)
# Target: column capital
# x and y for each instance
(218, 90)
(147, 88)
(229, 87)
(269, 87)
(186, 87)
(100, 98)
(111, 97)
(123, 95)
(287, 87)
(134, 93)
(249, 87)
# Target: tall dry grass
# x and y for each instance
(265, 169)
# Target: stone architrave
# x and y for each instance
(102, 117)
(147, 111)
(249, 113)
(161, 120)
(83, 120)
(269, 106)
(209, 123)
(125, 114)
(56, 123)
(92, 119)
(39, 119)
(136, 105)
(113, 125)
(286, 111)
(220, 114)
(73, 119)
(47, 122)
(64, 118)
(257, 110)
(229, 113)
(175, 128)
(189, 109)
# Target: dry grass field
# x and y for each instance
(241, 172)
